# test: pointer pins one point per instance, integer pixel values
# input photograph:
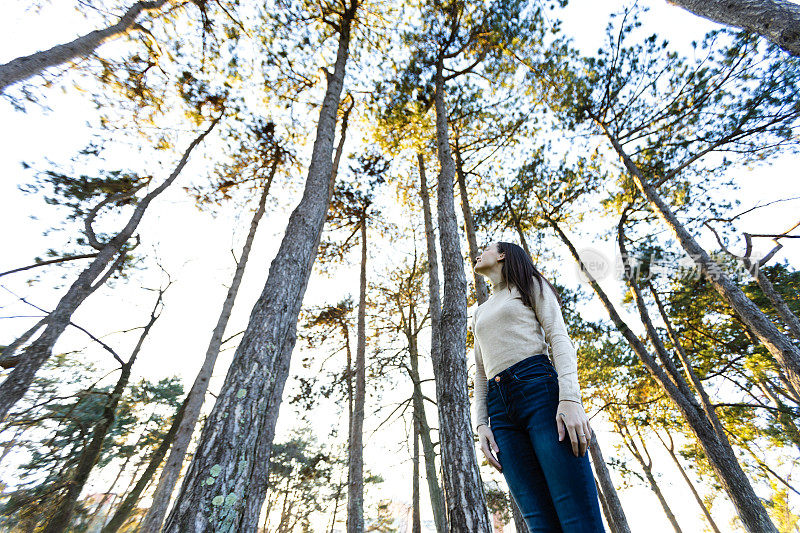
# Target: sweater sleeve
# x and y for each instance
(565, 357)
(479, 409)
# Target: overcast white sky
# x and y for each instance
(194, 247)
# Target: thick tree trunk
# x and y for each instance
(227, 480)
(775, 20)
(437, 497)
(466, 504)
(721, 457)
(786, 354)
(35, 354)
(355, 493)
(22, 68)
(169, 475)
(61, 518)
(615, 514)
(126, 507)
(697, 498)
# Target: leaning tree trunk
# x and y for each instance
(60, 520)
(466, 503)
(434, 489)
(95, 275)
(615, 515)
(697, 498)
(775, 20)
(720, 455)
(786, 354)
(227, 480)
(355, 492)
(416, 524)
(169, 475)
(22, 68)
(647, 468)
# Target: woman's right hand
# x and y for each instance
(489, 446)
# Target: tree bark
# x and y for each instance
(466, 503)
(227, 480)
(24, 67)
(416, 524)
(437, 497)
(35, 354)
(196, 397)
(777, 21)
(786, 354)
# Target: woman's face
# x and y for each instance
(488, 258)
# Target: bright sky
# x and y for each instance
(195, 248)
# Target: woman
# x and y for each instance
(529, 404)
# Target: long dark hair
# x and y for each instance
(518, 269)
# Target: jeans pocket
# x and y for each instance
(535, 372)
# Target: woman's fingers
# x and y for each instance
(489, 455)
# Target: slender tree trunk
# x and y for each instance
(786, 354)
(62, 516)
(196, 397)
(439, 506)
(466, 503)
(416, 524)
(516, 514)
(647, 468)
(355, 494)
(697, 498)
(775, 20)
(424, 430)
(124, 510)
(95, 275)
(227, 480)
(615, 514)
(789, 318)
(24, 67)
(721, 457)
(481, 289)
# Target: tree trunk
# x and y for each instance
(647, 468)
(775, 20)
(697, 498)
(466, 504)
(615, 514)
(60, 519)
(516, 514)
(434, 489)
(416, 524)
(169, 475)
(779, 345)
(721, 457)
(35, 354)
(355, 494)
(227, 480)
(789, 318)
(481, 289)
(24, 67)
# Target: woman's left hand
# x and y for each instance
(575, 422)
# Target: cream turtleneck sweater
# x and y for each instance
(507, 331)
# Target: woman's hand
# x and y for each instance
(572, 419)
(488, 445)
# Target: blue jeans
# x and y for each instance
(554, 490)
